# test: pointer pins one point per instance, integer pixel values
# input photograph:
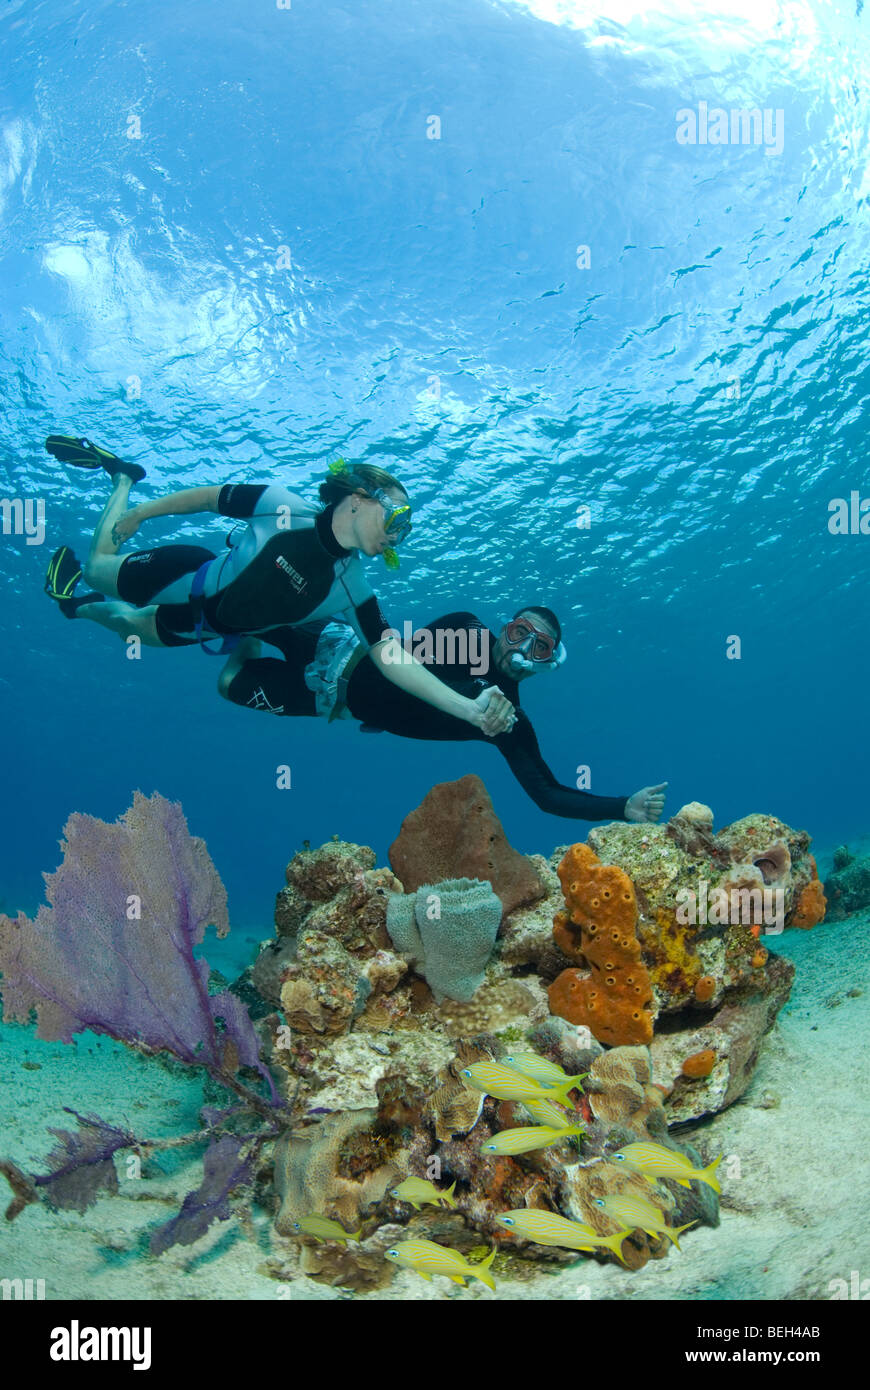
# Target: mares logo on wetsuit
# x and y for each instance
(298, 581)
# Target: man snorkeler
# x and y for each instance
(325, 670)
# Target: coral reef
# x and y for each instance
(613, 959)
(733, 1033)
(448, 929)
(684, 875)
(847, 887)
(455, 833)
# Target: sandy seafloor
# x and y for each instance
(796, 1217)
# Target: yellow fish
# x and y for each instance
(426, 1258)
(506, 1084)
(528, 1137)
(547, 1228)
(324, 1229)
(638, 1214)
(540, 1069)
(419, 1190)
(655, 1161)
(544, 1112)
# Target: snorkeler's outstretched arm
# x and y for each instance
(189, 500)
(523, 756)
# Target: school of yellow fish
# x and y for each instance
(539, 1085)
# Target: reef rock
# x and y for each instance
(527, 934)
(317, 876)
(455, 833)
(847, 887)
(707, 1067)
(325, 976)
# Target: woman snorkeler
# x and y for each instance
(292, 563)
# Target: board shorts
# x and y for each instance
(328, 674)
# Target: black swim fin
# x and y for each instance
(82, 453)
(63, 574)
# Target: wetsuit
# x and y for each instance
(279, 687)
(284, 567)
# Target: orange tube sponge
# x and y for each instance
(810, 906)
(700, 1063)
(599, 928)
(705, 988)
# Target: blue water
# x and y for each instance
(701, 386)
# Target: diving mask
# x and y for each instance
(397, 517)
(534, 650)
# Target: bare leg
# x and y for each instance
(102, 565)
(124, 619)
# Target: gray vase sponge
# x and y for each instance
(448, 929)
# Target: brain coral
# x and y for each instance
(599, 928)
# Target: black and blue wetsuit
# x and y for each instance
(278, 687)
(285, 567)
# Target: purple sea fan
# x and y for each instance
(113, 950)
(225, 1166)
(81, 1163)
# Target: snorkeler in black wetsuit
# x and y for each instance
(467, 656)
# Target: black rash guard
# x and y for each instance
(279, 686)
